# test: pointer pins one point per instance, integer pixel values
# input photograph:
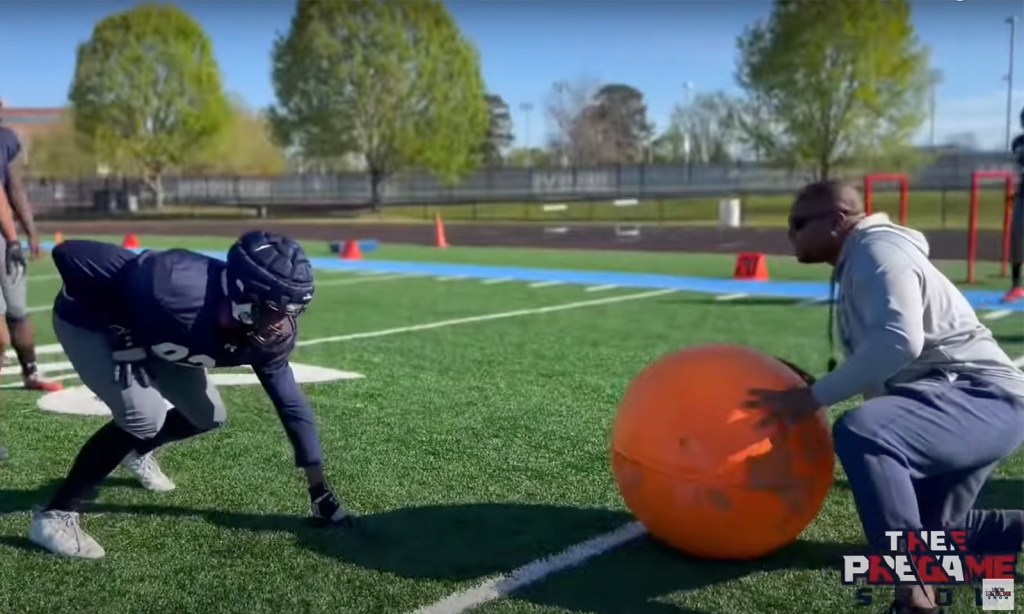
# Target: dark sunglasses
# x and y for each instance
(796, 224)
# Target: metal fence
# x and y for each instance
(497, 185)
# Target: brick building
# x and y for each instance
(30, 122)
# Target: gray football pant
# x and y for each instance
(918, 457)
(13, 292)
(140, 410)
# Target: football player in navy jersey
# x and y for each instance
(12, 262)
(142, 329)
(1016, 292)
(15, 324)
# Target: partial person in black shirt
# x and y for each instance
(141, 330)
(1016, 292)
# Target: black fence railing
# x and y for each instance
(498, 185)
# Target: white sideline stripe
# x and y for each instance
(500, 586)
(997, 314)
(545, 284)
(730, 297)
(599, 288)
(39, 308)
(55, 348)
(496, 281)
(32, 278)
(486, 317)
(358, 280)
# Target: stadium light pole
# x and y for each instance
(526, 107)
(1012, 20)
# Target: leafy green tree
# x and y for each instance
(59, 153)
(393, 82)
(499, 131)
(832, 83)
(147, 92)
(246, 147)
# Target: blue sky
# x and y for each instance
(526, 45)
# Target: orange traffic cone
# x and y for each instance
(751, 266)
(351, 251)
(130, 241)
(439, 239)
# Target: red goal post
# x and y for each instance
(904, 183)
(977, 177)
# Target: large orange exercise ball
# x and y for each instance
(705, 474)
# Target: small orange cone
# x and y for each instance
(130, 241)
(351, 251)
(751, 266)
(439, 239)
(58, 238)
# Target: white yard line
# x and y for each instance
(500, 586)
(730, 297)
(450, 278)
(545, 284)
(996, 314)
(500, 280)
(486, 317)
(599, 288)
(357, 280)
(55, 348)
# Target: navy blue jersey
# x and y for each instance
(174, 303)
(10, 147)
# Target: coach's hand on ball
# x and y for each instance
(786, 406)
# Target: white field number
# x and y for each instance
(79, 400)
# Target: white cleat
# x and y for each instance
(59, 532)
(147, 472)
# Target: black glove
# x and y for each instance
(804, 375)
(129, 359)
(15, 258)
(326, 509)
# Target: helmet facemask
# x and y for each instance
(265, 321)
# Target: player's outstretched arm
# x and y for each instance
(299, 424)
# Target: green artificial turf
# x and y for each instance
(468, 449)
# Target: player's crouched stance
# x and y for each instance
(141, 332)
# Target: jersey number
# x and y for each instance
(172, 352)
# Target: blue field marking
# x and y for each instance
(796, 290)
(981, 300)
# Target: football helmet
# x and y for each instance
(269, 281)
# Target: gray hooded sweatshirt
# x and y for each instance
(899, 318)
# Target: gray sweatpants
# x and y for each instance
(13, 292)
(918, 457)
(140, 410)
(1017, 227)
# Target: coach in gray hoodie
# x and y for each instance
(944, 404)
